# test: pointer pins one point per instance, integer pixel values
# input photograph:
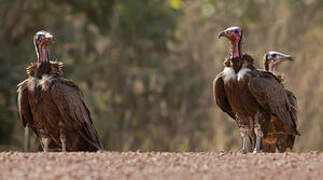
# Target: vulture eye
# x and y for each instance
(236, 31)
(274, 55)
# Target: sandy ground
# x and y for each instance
(156, 165)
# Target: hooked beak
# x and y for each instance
(290, 58)
(284, 57)
(221, 34)
(48, 36)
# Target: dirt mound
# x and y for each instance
(156, 165)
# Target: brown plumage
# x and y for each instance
(54, 107)
(253, 96)
(279, 143)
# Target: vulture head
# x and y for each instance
(234, 34)
(41, 41)
(273, 58)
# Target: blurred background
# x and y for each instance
(146, 66)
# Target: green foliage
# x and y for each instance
(176, 4)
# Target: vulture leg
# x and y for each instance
(245, 139)
(277, 150)
(63, 141)
(258, 132)
(243, 123)
(44, 139)
(62, 136)
(26, 140)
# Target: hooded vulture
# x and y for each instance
(251, 96)
(279, 143)
(54, 107)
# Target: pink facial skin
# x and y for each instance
(234, 34)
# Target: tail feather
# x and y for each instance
(98, 145)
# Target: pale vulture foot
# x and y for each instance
(259, 133)
(63, 139)
(26, 140)
(245, 139)
(258, 145)
(44, 139)
(243, 123)
(46, 142)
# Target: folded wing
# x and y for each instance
(23, 104)
(270, 93)
(70, 102)
(220, 96)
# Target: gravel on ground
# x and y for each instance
(160, 165)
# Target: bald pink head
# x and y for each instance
(234, 34)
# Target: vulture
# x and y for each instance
(54, 107)
(279, 143)
(251, 96)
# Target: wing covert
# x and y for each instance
(268, 91)
(23, 104)
(220, 96)
(70, 102)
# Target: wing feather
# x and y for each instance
(24, 110)
(292, 103)
(220, 96)
(70, 102)
(268, 91)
